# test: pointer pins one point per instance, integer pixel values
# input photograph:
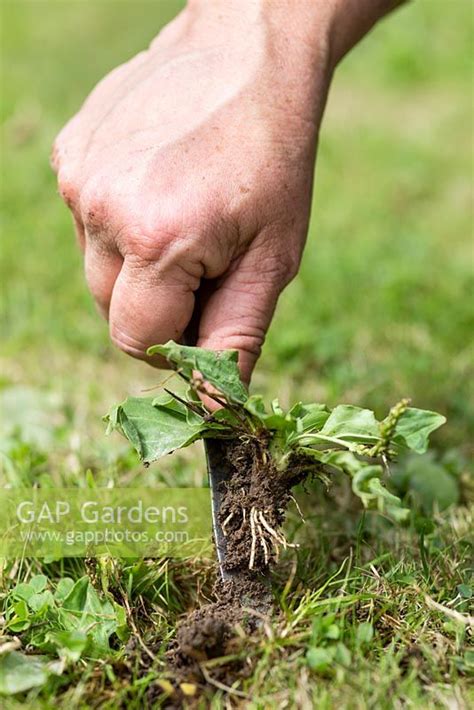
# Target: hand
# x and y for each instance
(190, 167)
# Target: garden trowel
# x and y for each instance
(219, 472)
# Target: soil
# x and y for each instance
(254, 498)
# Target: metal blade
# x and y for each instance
(219, 472)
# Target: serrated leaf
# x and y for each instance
(219, 368)
(154, 430)
(352, 424)
(414, 428)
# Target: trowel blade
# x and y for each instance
(219, 472)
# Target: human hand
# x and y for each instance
(190, 167)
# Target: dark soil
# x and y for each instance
(254, 483)
(244, 598)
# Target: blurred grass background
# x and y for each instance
(382, 307)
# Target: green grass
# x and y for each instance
(382, 309)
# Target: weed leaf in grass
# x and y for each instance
(83, 610)
(218, 368)
(19, 672)
(414, 428)
(154, 428)
(347, 439)
(69, 644)
(427, 481)
(351, 423)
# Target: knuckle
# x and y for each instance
(68, 188)
(279, 268)
(94, 208)
(163, 241)
(277, 258)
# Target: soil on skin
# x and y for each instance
(244, 599)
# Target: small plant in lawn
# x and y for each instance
(268, 449)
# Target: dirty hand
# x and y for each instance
(190, 167)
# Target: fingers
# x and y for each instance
(102, 268)
(238, 313)
(150, 304)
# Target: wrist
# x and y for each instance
(301, 21)
(292, 35)
(315, 29)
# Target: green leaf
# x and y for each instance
(22, 591)
(63, 588)
(352, 424)
(342, 655)
(38, 582)
(41, 600)
(367, 485)
(414, 428)
(19, 672)
(319, 659)
(427, 482)
(83, 610)
(364, 633)
(361, 483)
(19, 616)
(69, 644)
(333, 632)
(154, 430)
(275, 419)
(219, 368)
(465, 591)
(312, 417)
(345, 461)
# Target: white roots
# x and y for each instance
(262, 534)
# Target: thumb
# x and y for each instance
(237, 314)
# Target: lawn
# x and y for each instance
(371, 615)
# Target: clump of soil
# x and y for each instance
(210, 632)
(254, 501)
(254, 497)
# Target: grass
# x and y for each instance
(382, 309)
